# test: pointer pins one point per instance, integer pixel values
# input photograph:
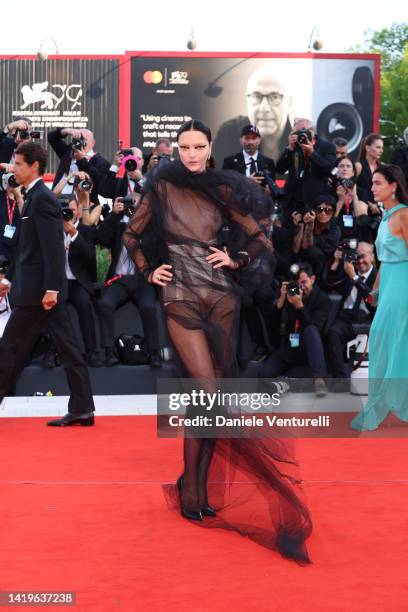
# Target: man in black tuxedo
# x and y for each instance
(354, 281)
(79, 155)
(39, 289)
(112, 186)
(250, 161)
(80, 268)
(308, 160)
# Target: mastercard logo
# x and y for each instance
(152, 77)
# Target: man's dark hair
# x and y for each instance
(306, 268)
(33, 152)
(340, 142)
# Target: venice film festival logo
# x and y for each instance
(155, 77)
(51, 100)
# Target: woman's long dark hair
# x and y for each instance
(394, 174)
(367, 141)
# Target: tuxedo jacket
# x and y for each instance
(96, 167)
(7, 146)
(39, 264)
(237, 162)
(82, 257)
(340, 282)
(113, 187)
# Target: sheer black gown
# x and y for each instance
(252, 483)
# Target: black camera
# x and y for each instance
(349, 250)
(131, 164)
(293, 288)
(4, 264)
(26, 134)
(77, 144)
(304, 136)
(128, 204)
(67, 213)
(347, 183)
(262, 174)
(163, 160)
(85, 184)
(126, 152)
(8, 179)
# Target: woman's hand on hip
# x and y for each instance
(220, 259)
(161, 275)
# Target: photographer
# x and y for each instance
(316, 233)
(5, 309)
(17, 131)
(351, 213)
(124, 283)
(162, 153)
(352, 274)
(341, 145)
(298, 317)
(88, 212)
(11, 203)
(80, 270)
(308, 160)
(371, 150)
(250, 161)
(131, 160)
(77, 156)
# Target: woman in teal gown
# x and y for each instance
(388, 343)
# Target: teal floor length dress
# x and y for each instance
(388, 341)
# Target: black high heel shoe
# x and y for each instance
(208, 510)
(191, 515)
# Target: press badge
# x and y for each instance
(348, 220)
(9, 231)
(294, 340)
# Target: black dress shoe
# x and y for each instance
(192, 515)
(259, 354)
(110, 358)
(85, 420)
(93, 360)
(155, 360)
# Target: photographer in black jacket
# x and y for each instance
(308, 162)
(112, 186)
(298, 317)
(124, 283)
(352, 274)
(78, 155)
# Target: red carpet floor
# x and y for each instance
(82, 510)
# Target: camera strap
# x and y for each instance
(112, 280)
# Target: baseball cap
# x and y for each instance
(250, 129)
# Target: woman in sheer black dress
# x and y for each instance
(181, 213)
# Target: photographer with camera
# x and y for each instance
(250, 161)
(371, 150)
(316, 233)
(17, 131)
(351, 213)
(298, 318)
(88, 212)
(308, 160)
(80, 270)
(124, 283)
(77, 156)
(162, 153)
(341, 145)
(131, 160)
(11, 204)
(351, 274)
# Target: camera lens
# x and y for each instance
(341, 120)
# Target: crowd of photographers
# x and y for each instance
(323, 223)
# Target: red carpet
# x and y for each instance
(82, 510)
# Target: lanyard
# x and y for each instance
(10, 209)
(297, 325)
(130, 188)
(347, 204)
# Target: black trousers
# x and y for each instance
(19, 337)
(143, 296)
(81, 300)
(310, 352)
(338, 335)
